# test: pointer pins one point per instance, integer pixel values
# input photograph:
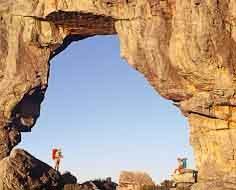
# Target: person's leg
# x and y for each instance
(55, 164)
(58, 164)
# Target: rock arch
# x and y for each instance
(185, 49)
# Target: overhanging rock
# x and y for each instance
(185, 49)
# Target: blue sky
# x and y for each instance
(106, 117)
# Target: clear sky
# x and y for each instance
(106, 117)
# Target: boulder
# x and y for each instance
(68, 178)
(135, 181)
(184, 178)
(75, 187)
(21, 171)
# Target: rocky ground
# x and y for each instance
(133, 181)
(21, 171)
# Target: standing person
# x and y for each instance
(57, 156)
(181, 165)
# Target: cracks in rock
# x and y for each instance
(234, 154)
(85, 24)
(9, 137)
(81, 13)
(204, 115)
(22, 119)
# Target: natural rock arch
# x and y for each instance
(185, 49)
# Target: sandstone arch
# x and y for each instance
(185, 49)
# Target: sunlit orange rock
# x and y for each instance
(185, 49)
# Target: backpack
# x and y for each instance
(184, 161)
(54, 151)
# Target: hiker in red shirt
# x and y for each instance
(57, 156)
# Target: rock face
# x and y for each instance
(68, 178)
(184, 48)
(21, 171)
(74, 187)
(166, 185)
(101, 184)
(184, 181)
(184, 178)
(135, 181)
(93, 185)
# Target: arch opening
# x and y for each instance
(106, 117)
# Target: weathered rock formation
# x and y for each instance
(93, 185)
(21, 171)
(68, 178)
(135, 181)
(185, 48)
(166, 185)
(75, 187)
(184, 181)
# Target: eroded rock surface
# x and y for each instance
(68, 178)
(21, 171)
(135, 181)
(184, 181)
(184, 48)
(93, 185)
